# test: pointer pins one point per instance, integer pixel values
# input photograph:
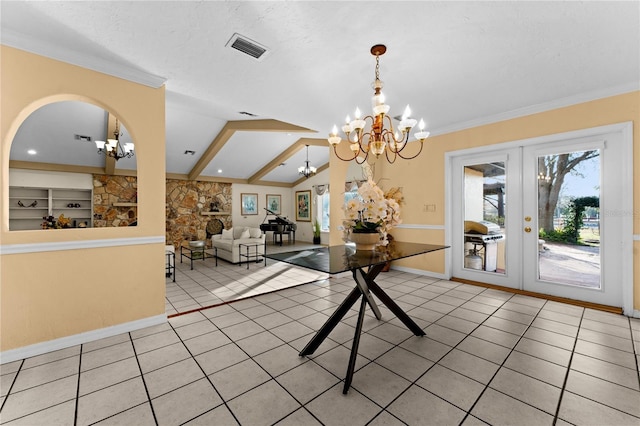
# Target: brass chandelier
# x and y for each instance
(114, 148)
(380, 137)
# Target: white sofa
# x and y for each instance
(228, 243)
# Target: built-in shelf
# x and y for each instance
(215, 213)
(50, 202)
(125, 204)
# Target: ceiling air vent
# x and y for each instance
(247, 46)
(82, 138)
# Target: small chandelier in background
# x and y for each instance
(114, 148)
(307, 170)
(378, 139)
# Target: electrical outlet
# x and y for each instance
(430, 208)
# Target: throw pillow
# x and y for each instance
(227, 234)
(255, 232)
(237, 232)
(245, 234)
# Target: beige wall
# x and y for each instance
(54, 294)
(423, 178)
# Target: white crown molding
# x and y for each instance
(79, 339)
(44, 48)
(534, 109)
(78, 245)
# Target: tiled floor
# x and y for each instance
(209, 284)
(488, 357)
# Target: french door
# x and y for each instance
(546, 216)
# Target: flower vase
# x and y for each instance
(365, 241)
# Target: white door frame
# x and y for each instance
(625, 215)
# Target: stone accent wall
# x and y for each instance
(108, 190)
(185, 202)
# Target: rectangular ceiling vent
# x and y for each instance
(82, 138)
(247, 46)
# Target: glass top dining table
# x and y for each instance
(342, 258)
(365, 267)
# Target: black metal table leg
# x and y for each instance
(397, 310)
(361, 281)
(354, 347)
(331, 323)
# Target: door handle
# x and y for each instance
(527, 229)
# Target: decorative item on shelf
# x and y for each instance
(21, 204)
(307, 170)
(114, 148)
(378, 139)
(316, 232)
(214, 206)
(73, 205)
(373, 213)
(50, 222)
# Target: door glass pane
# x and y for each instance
(569, 218)
(485, 206)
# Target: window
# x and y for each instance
(323, 211)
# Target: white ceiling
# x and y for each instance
(457, 64)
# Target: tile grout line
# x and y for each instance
(224, 402)
(144, 382)
(304, 406)
(436, 362)
(77, 401)
(505, 360)
(13, 382)
(635, 349)
(566, 376)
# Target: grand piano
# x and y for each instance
(279, 226)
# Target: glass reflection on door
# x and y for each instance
(485, 204)
(569, 218)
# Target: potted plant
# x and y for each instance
(370, 216)
(316, 232)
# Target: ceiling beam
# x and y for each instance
(284, 156)
(71, 168)
(240, 126)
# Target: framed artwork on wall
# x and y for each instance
(273, 203)
(248, 204)
(303, 206)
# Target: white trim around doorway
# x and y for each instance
(626, 168)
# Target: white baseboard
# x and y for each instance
(420, 272)
(78, 339)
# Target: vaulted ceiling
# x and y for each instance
(458, 64)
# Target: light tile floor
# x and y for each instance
(489, 357)
(209, 284)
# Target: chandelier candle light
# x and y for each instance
(114, 148)
(378, 139)
(307, 170)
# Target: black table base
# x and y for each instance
(365, 285)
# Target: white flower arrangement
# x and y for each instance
(373, 211)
